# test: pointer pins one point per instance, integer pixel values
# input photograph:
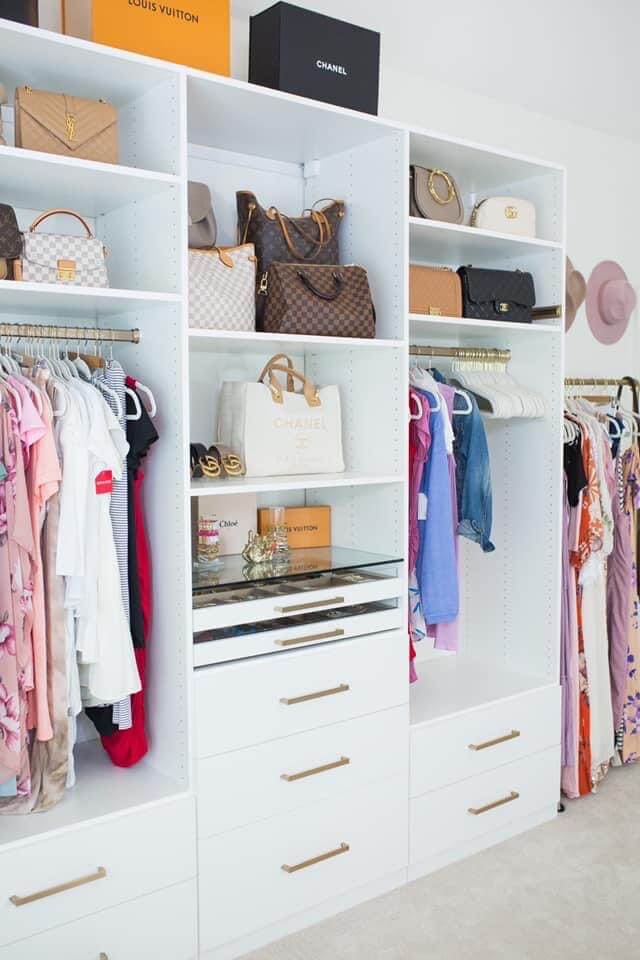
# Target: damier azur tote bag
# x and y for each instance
(277, 431)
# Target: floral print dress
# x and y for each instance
(630, 731)
(12, 693)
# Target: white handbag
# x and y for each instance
(222, 288)
(505, 215)
(277, 431)
(61, 258)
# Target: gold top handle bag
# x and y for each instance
(434, 195)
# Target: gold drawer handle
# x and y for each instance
(494, 743)
(298, 607)
(289, 701)
(343, 848)
(103, 956)
(330, 635)
(100, 874)
(476, 811)
(290, 777)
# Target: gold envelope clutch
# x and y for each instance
(67, 126)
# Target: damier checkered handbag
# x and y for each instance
(59, 258)
(318, 300)
(222, 288)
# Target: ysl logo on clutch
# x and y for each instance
(70, 121)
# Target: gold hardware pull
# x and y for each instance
(297, 607)
(331, 634)
(494, 743)
(291, 777)
(103, 956)
(100, 874)
(289, 701)
(343, 848)
(476, 811)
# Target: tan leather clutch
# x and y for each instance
(435, 291)
(67, 126)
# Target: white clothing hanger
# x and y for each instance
(152, 409)
(138, 408)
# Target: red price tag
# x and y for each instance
(104, 482)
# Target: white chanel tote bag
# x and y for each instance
(277, 431)
(222, 288)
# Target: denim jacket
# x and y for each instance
(473, 473)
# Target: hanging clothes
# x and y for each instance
(66, 630)
(599, 595)
(449, 496)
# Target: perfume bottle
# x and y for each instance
(208, 552)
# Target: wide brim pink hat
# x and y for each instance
(611, 301)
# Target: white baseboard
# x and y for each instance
(231, 951)
(424, 867)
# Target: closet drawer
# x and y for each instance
(238, 788)
(463, 746)
(250, 702)
(162, 926)
(120, 859)
(259, 874)
(226, 608)
(272, 636)
(444, 819)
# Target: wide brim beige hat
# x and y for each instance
(611, 301)
(576, 292)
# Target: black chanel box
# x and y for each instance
(303, 52)
(24, 11)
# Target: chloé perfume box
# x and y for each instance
(236, 514)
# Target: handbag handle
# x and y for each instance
(54, 213)
(309, 389)
(338, 280)
(274, 359)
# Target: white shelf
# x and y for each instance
(39, 181)
(478, 168)
(450, 243)
(421, 326)
(448, 685)
(231, 341)
(254, 120)
(101, 790)
(206, 488)
(53, 61)
(62, 302)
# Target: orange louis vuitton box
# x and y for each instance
(193, 32)
(306, 526)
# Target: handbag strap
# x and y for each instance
(54, 213)
(309, 389)
(338, 280)
(274, 360)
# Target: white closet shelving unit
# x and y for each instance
(198, 835)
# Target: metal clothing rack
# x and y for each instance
(33, 331)
(462, 353)
(593, 382)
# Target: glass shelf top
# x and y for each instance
(234, 571)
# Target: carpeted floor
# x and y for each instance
(565, 891)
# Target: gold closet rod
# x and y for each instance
(592, 382)
(32, 331)
(462, 353)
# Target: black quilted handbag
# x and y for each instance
(10, 240)
(497, 294)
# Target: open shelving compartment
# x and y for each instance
(292, 153)
(137, 209)
(508, 633)
(102, 789)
